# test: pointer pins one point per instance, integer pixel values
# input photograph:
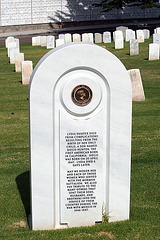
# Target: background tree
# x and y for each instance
(107, 5)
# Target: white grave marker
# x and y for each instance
(134, 47)
(85, 38)
(146, 33)
(80, 137)
(153, 51)
(12, 52)
(91, 37)
(119, 43)
(76, 37)
(156, 38)
(34, 41)
(68, 38)
(98, 38)
(137, 86)
(9, 39)
(130, 34)
(107, 37)
(50, 42)
(43, 41)
(26, 69)
(140, 35)
(117, 34)
(11, 45)
(19, 57)
(59, 42)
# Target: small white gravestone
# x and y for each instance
(19, 57)
(12, 54)
(61, 36)
(134, 47)
(17, 42)
(67, 38)
(80, 137)
(107, 37)
(146, 33)
(137, 86)
(34, 41)
(91, 37)
(153, 51)
(119, 43)
(123, 29)
(8, 39)
(11, 45)
(38, 40)
(50, 42)
(59, 42)
(26, 69)
(117, 34)
(158, 30)
(156, 38)
(43, 41)
(130, 34)
(140, 35)
(85, 37)
(76, 37)
(98, 38)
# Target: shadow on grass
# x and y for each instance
(23, 184)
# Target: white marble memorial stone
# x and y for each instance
(17, 42)
(85, 38)
(153, 51)
(19, 57)
(130, 34)
(80, 137)
(117, 34)
(107, 37)
(59, 42)
(98, 38)
(38, 40)
(26, 69)
(146, 33)
(11, 45)
(12, 52)
(43, 41)
(137, 86)
(61, 36)
(140, 35)
(9, 39)
(158, 30)
(91, 37)
(50, 42)
(68, 38)
(119, 43)
(76, 37)
(123, 29)
(156, 38)
(134, 47)
(34, 41)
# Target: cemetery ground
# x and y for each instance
(14, 147)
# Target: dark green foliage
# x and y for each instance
(107, 5)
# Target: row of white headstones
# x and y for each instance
(119, 36)
(26, 67)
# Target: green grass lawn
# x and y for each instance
(144, 220)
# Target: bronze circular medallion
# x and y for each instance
(81, 95)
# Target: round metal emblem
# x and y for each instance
(81, 95)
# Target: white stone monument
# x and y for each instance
(26, 69)
(98, 38)
(123, 29)
(61, 36)
(11, 45)
(50, 42)
(59, 42)
(85, 37)
(146, 33)
(12, 54)
(8, 39)
(67, 38)
(153, 51)
(156, 38)
(119, 43)
(107, 37)
(130, 34)
(117, 34)
(76, 37)
(38, 40)
(140, 35)
(34, 41)
(19, 57)
(137, 86)
(80, 137)
(91, 37)
(43, 41)
(134, 47)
